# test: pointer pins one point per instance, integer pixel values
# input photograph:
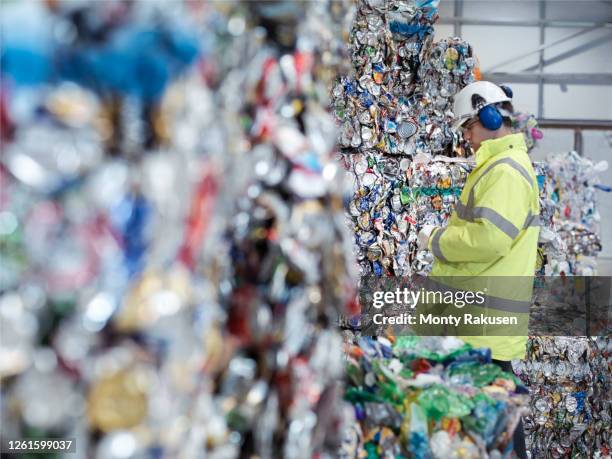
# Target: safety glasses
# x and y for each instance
(469, 124)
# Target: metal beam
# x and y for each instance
(598, 125)
(542, 47)
(572, 52)
(604, 79)
(458, 13)
(542, 8)
(520, 23)
(578, 143)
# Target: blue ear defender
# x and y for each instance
(489, 115)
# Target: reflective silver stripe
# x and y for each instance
(503, 304)
(535, 221)
(435, 245)
(531, 220)
(497, 219)
(462, 210)
(491, 302)
(516, 166)
(509, 161)
(470, 213)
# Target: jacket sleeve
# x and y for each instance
(501, 206)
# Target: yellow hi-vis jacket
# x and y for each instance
(494, 232)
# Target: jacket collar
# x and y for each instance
(493, 147)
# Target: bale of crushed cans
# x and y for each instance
(570, 383)
(423, 397)
(289, 277)
(394, 113)
(569, 377)
(568, 197)
(181, 301)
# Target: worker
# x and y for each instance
(494, 228)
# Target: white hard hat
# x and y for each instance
(463, 106)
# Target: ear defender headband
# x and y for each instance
(489, 115)
(507, 91)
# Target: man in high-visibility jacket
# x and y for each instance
(494, 229)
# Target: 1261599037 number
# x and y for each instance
(39, 445)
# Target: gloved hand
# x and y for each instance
(423, 236)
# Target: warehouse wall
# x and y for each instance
(494, 44)
(497, 44)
